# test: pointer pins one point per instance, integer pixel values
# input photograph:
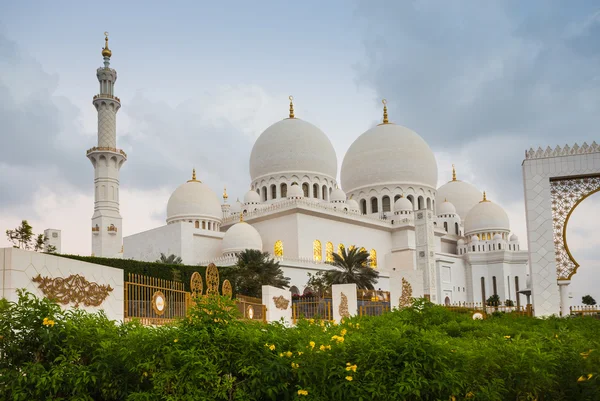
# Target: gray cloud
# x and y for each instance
(488, 80)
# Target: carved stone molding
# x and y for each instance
(564, 151)
(281, 302)
(343, 309)
(73, 289)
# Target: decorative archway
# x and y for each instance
(556, 181)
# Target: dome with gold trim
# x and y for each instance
(193, 200)
(486, 216)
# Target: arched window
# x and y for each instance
(412, 200)
(204, 225)
(446, 226)
(264, 193)
(374, 206)
(429, 203)
(273, 191)
(447, 301)
(396, 198)
(494, 285)
(294, 290)
(324, 192)
(340, 249)
(351, 247)
(317, 251)
(517, 291)
(278, 249)
(483, 299)
(305, 190)
(456, 228)
(420, 202)
(385, 204)
(316, 191)
(373, 257)
(363, 206)
(329, 252)
(494, 247)
(284, 191)
(473, 248)
(489, 236)
(197, 224)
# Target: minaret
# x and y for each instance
(107, 159)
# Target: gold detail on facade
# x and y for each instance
(406, 295)
(385, 113)
(278, 249)
(159, 303)
(340, 249)
(73, 289)
(329, 252)
(566, 194)
(343, 309)
(317, 251)
(225, 193)
(373, 257)
(226, 289)
(106, 51)
(241, 217)
(291, 106)
(194, 176)
(281, 302)
(196, 285)
(212, 280)
(453, 173)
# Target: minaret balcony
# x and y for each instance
(107, 96)
(106, 149)
(96, 230)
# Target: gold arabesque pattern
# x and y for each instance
(281, 302)
(196, 285)
(226, 289)
(278, 249)
(566, 194)
(317, 251)
(343, 309)
(406, 296)
(75, 289)
(212, 280)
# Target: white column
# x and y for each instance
(344, 302)
(563, 286)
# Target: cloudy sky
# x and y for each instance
(199, 81)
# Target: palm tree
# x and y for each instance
(352, 266)
(169, 260)
(255, 269)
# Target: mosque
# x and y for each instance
(451, 243)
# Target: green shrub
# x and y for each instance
(424, 352)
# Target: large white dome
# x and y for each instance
(293, 145)
(461, 194)
(486, 216)
(241, 236)
(193, 200)
(388, 154)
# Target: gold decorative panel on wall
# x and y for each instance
(73, 289)
(278, 249)
(329, 252)
(317, 251)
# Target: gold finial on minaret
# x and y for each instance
(291, 106)
(106, 51)
(385, 115)
(453, 173)
(225, 193)
(194, 176)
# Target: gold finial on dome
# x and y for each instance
(194, 176)
(291, 106)
(484, 198)
(106, 51)
(385, 114)
(241, 217)
(453, 173)
(225, 193)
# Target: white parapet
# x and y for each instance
(279, 304)
(345, 301)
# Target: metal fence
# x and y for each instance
(592, 311)
(472, 307)
(251, 308)
(372, 302)
(311, 308)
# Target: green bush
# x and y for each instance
(424, 352)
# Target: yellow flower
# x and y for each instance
(311, 321)
(145, 374)
(581, 379)
(48, 322)
(175, 340)
(272, 347)
(452, 398)
(328, 346)
(300, 353)
(590, 376)
(343, 332)
(295, 365)
(302, 392)
(322, 323)
(312, 344)
(333, 322)
(470, 394)
(349, 378)
(357, 325)
(322, 348)
(288, 354)
(281, 354)
(351, 367)
(507, 337)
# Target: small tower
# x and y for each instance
(53, 238)
(225, 207)
(107, 159)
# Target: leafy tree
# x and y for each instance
(509, 302)
(255, 269)
(318, 282)
(170, 260)
(23, 237)
(493, 300)
(352, 266)
(588, 300)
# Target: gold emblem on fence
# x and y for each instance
(250, 312)
(281, 302)
(196, 285)
(159, 303)
(212, 280)
(406, 297)
(226, 289)
(343, 309)
(74, 288)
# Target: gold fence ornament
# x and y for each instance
(75, 289)
(281, 302)
(212, 280)
(226, 289)
(159, 303)
(196, 285)
(343, 309)
(406, 296)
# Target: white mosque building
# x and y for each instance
(451, 243)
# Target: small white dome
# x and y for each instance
(486, 216)
(236, 207)
(474, 239)
(293, 146)
(388, 154)
(295, 191)
(514, 237)
(461, 242)
(445, 208)
(251, 197)
(193, 200)
(241, 236)
(462, 195)
(497, 236)
(352, 204)
(402, 204)
(337, 195)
